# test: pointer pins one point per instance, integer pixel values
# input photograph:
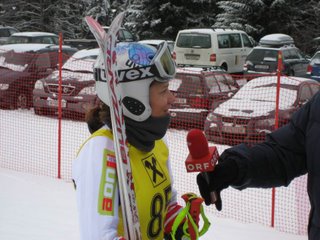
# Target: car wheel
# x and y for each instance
(224, 66)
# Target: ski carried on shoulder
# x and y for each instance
(107, 44)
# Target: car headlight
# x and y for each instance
(4, 86)
(89, 90)
(38, 85)
(211, 117)
(265, 123)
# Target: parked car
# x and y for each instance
(78, 87)
(33, 37)
(263, 59)
(21, 65)
(313, 70)
(156, 42)
(89, 42)
(226, 48)
(196, 89)
(250, 114)
(5, 33)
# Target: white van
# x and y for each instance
(226, 48)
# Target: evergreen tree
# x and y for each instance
(296, 18)
(163, 19)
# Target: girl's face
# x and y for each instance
(161, 99)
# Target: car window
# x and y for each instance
(246, 41)
(315, 59)
(286, 54)
(43, 61)
(47, 40)
(314, 88)
(12, 31)
(294, 54)
(18, 39)
(305, 93)
(127, 35)
(223, 41)
(235, 40)
(270, 56)
(212, 84)
(189, 40)
(15, 61)
(4, 33)
(259, 55)
(220, 83)
(190, 84)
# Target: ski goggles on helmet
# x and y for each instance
(162, 63)
(161, 66)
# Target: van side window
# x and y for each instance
(246, 41)
(223, 41)
(235, 40)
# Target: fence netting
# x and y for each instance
(42, 124)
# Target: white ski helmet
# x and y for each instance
(138, 65)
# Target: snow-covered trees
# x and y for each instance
(298, 18)
(164, 18)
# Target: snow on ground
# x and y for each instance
(37, 208)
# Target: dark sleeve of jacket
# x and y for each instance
(281, 158)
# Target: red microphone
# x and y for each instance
(201, 158)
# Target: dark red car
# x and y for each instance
(78, 87)
(196, 90)
(21, 65)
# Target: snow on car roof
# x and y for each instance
(23, 47)
(257, 97)
(276, 39)
(34, 34)
(207, 30)
(86, 52)
(295, 81)
(154, 41)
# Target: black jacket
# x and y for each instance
(289, 152)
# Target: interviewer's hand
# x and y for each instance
(223, 175)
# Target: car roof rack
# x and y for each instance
(276, 40)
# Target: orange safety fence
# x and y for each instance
(41, 132)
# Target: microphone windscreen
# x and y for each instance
(197, 144)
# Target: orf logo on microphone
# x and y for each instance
(201, 158)
(203, 164)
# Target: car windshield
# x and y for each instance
(220, 83)
(186, 84)
(315, 59)
(15, 61)
(83, 64)
(39, 39)
(189, 40)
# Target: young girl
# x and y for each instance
(144, 73)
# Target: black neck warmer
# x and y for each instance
(142, 135)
